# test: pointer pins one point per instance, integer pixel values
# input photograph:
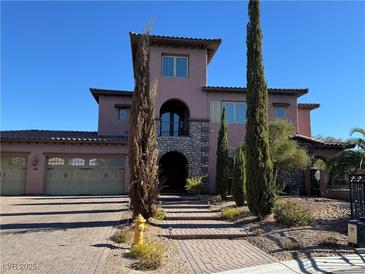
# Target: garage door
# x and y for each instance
(13, 174)
(80, 175)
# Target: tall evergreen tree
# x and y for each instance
(143, 150)
(260, 188)
(239, 176)
(222, 158)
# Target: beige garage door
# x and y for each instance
(84, 175)
(13, 174)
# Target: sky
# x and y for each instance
(53, 52)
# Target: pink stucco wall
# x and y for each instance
(304, 122)
(39, 151)
(109, 123)
(188, 89)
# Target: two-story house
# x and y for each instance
(188, 114)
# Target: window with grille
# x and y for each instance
(55, 161)
(77, 162)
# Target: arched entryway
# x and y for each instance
(173, 171)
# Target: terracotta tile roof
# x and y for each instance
(321, 143)
(279, 91)
(59, 136)
(310, 106)
(96, 92)
(211, 45)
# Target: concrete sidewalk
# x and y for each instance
(352, 263)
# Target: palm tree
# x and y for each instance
(359, 143)
(350, 159)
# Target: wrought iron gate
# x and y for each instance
(357, 195)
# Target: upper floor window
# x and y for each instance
(175, 66)
(235, 112)
(122, 114)
(280, 113)
(174, 119)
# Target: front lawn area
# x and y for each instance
(326, 234)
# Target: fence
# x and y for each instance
(357, 195)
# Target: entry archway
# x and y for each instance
(173, 171)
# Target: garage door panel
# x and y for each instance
(80, 175)
(13, 174)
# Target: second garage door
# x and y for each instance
(81, 175)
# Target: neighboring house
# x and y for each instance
(188, 114)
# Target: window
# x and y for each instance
(174, 119)
(280, 113)
(235, 112)
(56, 161)
(77, 162)
(96, 162)
(122, 114)
(17, 161)
(175, 66)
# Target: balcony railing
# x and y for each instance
(171, 128)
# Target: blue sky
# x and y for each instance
(53, 52)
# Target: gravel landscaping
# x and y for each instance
(119, 260)
(326, 236)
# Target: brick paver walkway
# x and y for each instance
(208, 244)
(57, 234)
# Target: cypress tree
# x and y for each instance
(239, 177)
(260, 188)
(222, 158)
(143, 150)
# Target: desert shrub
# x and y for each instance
(289, 245)
(259, 232)
(232, 213)
(149, 255)
(290, 214)
(159, 214)
(327, 241)
(215, 199)
(121, 236)
(194, 185)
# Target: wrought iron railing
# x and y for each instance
(357, 195)
(171, 128)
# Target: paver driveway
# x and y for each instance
(58, 234)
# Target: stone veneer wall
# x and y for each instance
(194, 147)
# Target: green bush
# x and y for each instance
(194, 185)
(259, 232)
(159, 214)
(327, 241)
(121, 236)
(149, 255)
(290, 214)
(232, 213)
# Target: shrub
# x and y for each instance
(327, 241)
(159, 214)
(194, 185)
(290, 214)
(289, 245)
(149, 255)
(121, 236)
(259, 232)
(232, 213)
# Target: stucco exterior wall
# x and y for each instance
(109, 123)
(237, 132)
(38, 151)
(304, 122)
(187, 90)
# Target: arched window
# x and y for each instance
(174, 119)
(77, 162)
(55, 161)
